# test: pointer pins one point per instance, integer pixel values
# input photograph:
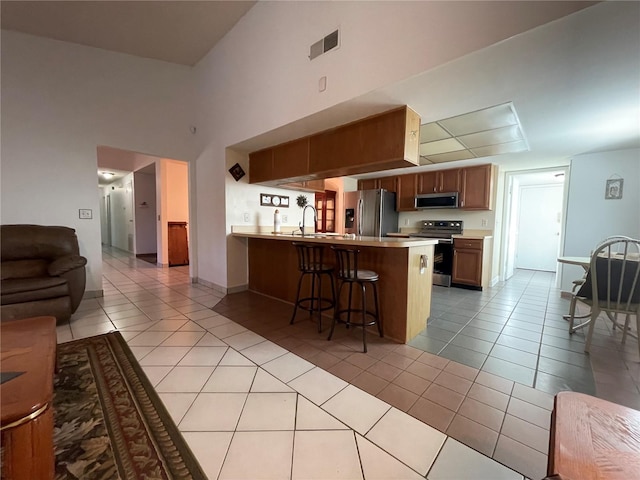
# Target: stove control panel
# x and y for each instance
(442, 225)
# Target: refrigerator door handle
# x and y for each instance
(360, 212)
(378, 220)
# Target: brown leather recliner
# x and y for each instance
(42, 272)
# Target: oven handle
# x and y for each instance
(445, 240)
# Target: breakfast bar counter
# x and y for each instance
(405, 267)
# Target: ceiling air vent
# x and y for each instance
(325, 44)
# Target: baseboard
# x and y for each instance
(213, 286)
(219, 288)
(93, 294)
(238, 289)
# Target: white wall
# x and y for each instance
(145, 212)
(259, 78)
(59, 102)
(590, 217)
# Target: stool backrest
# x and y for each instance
(346, 262)
(309, 255)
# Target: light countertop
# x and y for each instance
(387, 242)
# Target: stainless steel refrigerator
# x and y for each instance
(370, 213)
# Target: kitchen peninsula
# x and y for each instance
(405, 267)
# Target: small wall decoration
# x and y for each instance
(301, 201)
(614, 189)
(268, 200)
(237, 172)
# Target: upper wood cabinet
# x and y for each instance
(476, 187)
(407, 188)
(291, 159)
(261, 165)
(368, 184)
(439, 181)
(388, 183)
(380, 142)
(306, 185)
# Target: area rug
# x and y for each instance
(109, 422)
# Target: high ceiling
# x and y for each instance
(574, 82)
(174, 31)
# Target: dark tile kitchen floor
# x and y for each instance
(516, 330)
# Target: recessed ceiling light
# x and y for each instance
(440, 146)
(482, 133)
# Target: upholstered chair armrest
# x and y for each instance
(66, 264)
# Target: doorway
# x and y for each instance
(147, 194)
(326, 211)
(534, 212)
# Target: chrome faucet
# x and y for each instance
(315, 218)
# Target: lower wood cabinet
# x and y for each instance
(467, 262)
(178, 244)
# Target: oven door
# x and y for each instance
(443, 263)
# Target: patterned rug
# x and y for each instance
(109, 422)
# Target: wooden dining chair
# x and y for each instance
(612, 285)
(576, 286)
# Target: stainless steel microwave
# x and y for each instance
(437, 200)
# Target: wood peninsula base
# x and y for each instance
(404, 286)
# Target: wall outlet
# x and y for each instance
(484, 222)
(284, 219)
(406, 221)
(246, 217)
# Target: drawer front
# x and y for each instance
(472, 243)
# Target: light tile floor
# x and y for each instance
(242, 383)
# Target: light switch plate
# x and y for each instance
(85, 213)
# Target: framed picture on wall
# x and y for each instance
(614, 189)
(236, 172)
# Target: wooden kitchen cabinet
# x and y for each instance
(439, 181)
(261, 165)
(178, 244)
(388, 183)
(467, 262)
(476, 187)
(380, 142)
(315, 186)
(407, 187)
(291, 159)
(368, 184)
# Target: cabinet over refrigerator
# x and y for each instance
(370, 213)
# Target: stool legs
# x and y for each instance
(377, 304)
(315, 300)
(363, 311)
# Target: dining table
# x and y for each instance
(583, 262)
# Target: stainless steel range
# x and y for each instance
(443, 230)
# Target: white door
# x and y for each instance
(540, 219)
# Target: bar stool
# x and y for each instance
(348, 274)
(310, 263)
